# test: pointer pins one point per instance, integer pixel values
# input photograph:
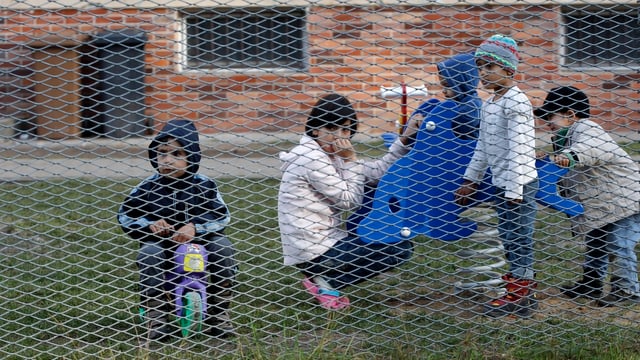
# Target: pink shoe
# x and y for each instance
(328, 299)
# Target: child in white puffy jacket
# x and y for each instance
(322, 181)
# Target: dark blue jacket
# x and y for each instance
(193, 198)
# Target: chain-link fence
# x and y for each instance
(85, 86)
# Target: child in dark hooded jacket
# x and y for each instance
(459, 79)
(173, 206)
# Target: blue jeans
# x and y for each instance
(515, 227)
(350, 261)
(619, 246)
(154, 262)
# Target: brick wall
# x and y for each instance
(351, 50)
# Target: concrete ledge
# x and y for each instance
(249, 144)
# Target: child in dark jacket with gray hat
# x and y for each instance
(604, 178)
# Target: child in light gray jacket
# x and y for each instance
(605, 179)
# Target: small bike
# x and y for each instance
(190, 292)
(187, 284)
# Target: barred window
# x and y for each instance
(602, 36)
(271, 38)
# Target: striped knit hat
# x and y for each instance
(500, 49)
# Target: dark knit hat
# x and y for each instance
(563, 99)
(500, 49)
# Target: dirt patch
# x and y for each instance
(469, 304)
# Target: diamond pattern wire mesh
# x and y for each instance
(85, 86)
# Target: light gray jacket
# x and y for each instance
(506, 144)
(605, 179)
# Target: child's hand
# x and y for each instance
(184, 234)
(161, 228)
(411, 129)
(414, 124)
(344, 149)
(466, 192)
(562, 160)
(541, 154)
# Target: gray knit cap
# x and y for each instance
(500, 49)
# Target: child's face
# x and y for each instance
(172, 159)
(560, 120)
(326, 136)
(492, 75)
(447, 91)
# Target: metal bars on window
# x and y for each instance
(245, 38)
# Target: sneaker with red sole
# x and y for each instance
(328, 298)
(519, 300)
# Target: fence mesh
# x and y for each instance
(86, 85)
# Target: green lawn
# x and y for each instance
(69, 291)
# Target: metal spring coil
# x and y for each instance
(487, 234)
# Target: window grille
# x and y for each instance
(602, 36)
(245, 38)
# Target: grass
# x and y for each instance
(69, 292)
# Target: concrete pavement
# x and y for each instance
(128, 168)
(251, 154)
(224, 155)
